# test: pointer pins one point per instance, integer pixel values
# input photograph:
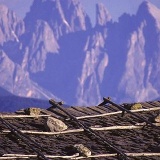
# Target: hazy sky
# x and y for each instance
(115, 7)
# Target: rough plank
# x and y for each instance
(81, 130)
(82, 110)
(57, 112)
(44, 111)
(11, 156)
(75, 112)
(97, 110)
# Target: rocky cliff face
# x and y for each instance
(102, 15)
(56, 51)
(17, 81)
(63, 16)
(10, 26)
(143, 55)
(14, 76)
(95, 61)
(37, 45)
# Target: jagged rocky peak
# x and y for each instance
(64, 16)
(147, 7)
(10, 26)
(148, 10)
(75, 15)
(49, 11)
(102, 15)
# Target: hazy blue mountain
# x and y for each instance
(14, 103)
(55, 52)
(3, 92)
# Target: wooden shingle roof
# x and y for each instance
(105, 130)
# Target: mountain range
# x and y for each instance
(55, 52)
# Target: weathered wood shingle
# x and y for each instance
(112, 127)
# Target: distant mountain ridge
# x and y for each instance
(55, 52)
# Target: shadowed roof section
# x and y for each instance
(95, 132)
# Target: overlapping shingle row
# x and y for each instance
(130, 135)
